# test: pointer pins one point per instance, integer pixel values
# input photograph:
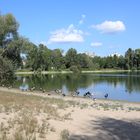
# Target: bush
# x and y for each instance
(138, 68)
(6, 70)
(75, 69)
(64, 135)
(39, 70)
(134, 68)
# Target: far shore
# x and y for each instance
(68, 72)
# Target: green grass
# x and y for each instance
(24, 71)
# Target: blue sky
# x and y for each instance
(100, 26)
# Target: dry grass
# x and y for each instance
(64, 135)
(28, 117)
(20, 116)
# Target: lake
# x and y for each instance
(119, 86)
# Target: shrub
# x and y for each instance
(6, 69)
(74, 69)
(64, 135)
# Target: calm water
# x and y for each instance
(120, 86)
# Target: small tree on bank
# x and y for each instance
(6, 70)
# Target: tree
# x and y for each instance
(8, 29)
(32, 58)
(10, 42)
(71, 58)
(6, 70)
(12, 52)
(121, 62)
(129, 56)
(137, 58)
(57, 59)
(39, 57)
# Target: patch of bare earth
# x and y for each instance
(32, 117)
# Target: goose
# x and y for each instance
(106, 95)
(43, 90)
(63, 94)
(33, 88)
(9, 87)
(58, 91)
(87, 94)
(77, 92)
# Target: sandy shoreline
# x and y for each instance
(52, 94)
(83, 119)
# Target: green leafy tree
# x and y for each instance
(8, 29)
(57, 59)
(137, 59)
(6, 70)
(12, 52)
(129, 56)
(121, 62)
(71, 58)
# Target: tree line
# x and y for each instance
(40, 57)
(17, 52)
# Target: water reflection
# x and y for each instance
(24, 86)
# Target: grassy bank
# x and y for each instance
(83, 71)
(42, 72)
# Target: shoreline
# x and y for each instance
(69, 72)
(52, 94)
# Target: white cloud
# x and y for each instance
(110, 27)
(96, 44)
(69, 35)
(82, 19)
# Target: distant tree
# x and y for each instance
(121, 62)
(97, 62)
(57, 59)
(39, 57)
(129, 56)
(71, 58)
(137, 59)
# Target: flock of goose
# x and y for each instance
(60, 92)
(76, 93)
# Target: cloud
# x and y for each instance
(82, 19)
(110, 27)
(69, 35)
(96, 44)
